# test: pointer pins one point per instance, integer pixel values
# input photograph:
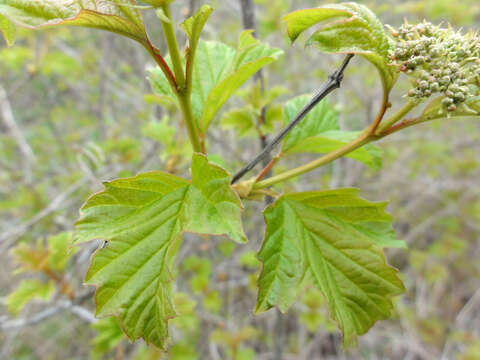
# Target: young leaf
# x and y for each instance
(193, 26)
(8, 29)
(242, 120)
(143, 219)
(26, 291)
(332, 240)
(251, 56)
(59, 250)
(218, 72)
(31, 258)
(353, 29)
(319, 132)
(117, 16)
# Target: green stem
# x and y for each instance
(181, 90)
(399, 115)
(363, 139)
(186, 107)
(172, 44)
(374, 132)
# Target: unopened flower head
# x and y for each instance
(438, 61)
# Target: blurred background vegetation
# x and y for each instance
(76, 109)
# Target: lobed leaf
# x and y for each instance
(143, 219)
(352, 28)
(319, 132)
(118, 16)
(331, 240)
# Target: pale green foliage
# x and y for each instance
(314, 315)
(232, 342)
(8, 29)
(112, 15)
(27, 291)
(218, 72)
(353, 29)
(185, 308)
(143, 219)
(109, 335)
(259, 115)
(332, 240)
(39, 258)
(60, 251)
(319, 132)
(164, 133)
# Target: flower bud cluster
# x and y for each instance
(438, 61)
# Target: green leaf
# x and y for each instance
(353, 29)
(8, 29)
(143, 219)
(117, 16)
(218, 72)
(193, 26)
(109, 335)
(242, 120)
(250, 57)
(59, 250)
(331, 240)
(319, 132)
(321, 119)
(27, 291)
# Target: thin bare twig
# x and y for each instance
(77, 310)
(333, 82)
(12, 126)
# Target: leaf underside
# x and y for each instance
(331, 240)
(143, 219)
(351, 28)
(117, 16)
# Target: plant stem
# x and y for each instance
(183, 94)
(161, 63)
(375, 131)
(172, 44)
(409, 106)
(363, 139)
(186, 107)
